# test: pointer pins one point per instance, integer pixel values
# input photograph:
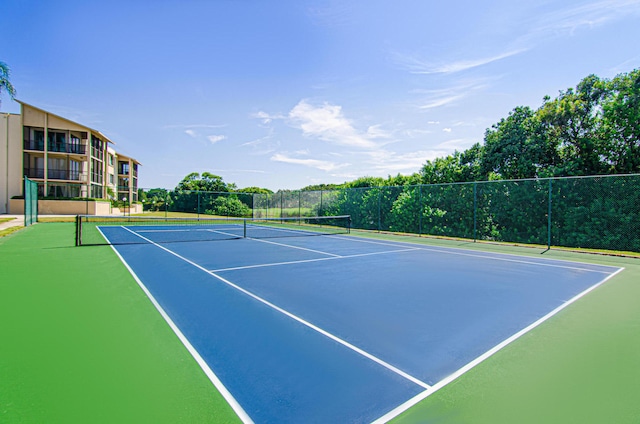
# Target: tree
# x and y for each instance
(196, 193)
(5, 83)
(621, 123)
(205, 182)
(459, 167)
(572, 122)
(516, 147)
(229, 206)
(254, 190)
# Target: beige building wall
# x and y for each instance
(69, 165)
(112, 171)
(10, 159)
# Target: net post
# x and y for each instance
(244, 225)
(549, 215)
(78, 231)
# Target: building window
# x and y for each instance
(123, 168)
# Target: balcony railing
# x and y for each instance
(56, 174)
(34, 145)
(34, 172)
(63, 174)
(77, 149)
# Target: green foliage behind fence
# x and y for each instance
(600, 212)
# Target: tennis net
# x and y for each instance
(101, 230)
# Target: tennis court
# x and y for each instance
(337, 328)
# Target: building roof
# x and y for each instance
(102, 136)
(120, 155)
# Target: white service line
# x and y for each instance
(332, 258)
(242, 414)
(439, 385)
(294, 317)
(293, 247)
(465, 252)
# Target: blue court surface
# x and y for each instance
(341, 328)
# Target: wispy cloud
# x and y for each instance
(455, 144)
(199, 131)
(590, 15)
(417, 65)
(267, 118)
(332, 13)
(216, 138)
(444, 96)
(327, 123)
(263, 145)
(389, 162)
(540, 27)
(192, 126)
(312, 163)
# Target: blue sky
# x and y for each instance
(283, 94)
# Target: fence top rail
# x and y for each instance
(281, 192)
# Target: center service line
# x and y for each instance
(292, 316)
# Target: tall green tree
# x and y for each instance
(5, 82)
(458, 167)
(621, 123)
(517, 147)
(573, 123)
(205, 182)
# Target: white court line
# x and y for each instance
(242, 414)
(181, 230)
(294, 317)
(439, 385)
(293, 247)
(312, 260)
(453, 251)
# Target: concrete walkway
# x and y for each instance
(18, 221)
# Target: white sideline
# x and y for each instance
(201, 362)
(440, 384)
(292, 316)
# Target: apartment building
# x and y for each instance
(68, 160)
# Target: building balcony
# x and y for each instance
(63, 174)
(34, 172)
(38, 145)
(56, 174)
(34, 145)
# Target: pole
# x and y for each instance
(420, 210)
(549, 218)
(475, 210)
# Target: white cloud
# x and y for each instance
(192, 126)
(191, 133)
(264, 145)
(448, 95)
(455, 144)
(590, 15)
(312, 163)
(417, 65)
(327, 123)
(388, 162)
(215, 138)
(447, 130)
(267, 118)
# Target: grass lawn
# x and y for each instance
(81, 343)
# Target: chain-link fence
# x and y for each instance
(30, 202)
(587, 212)
(600, 212)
